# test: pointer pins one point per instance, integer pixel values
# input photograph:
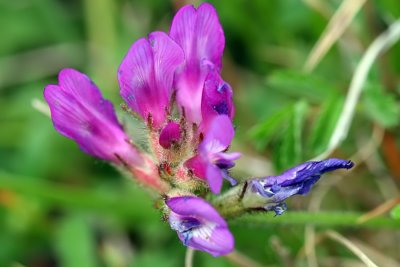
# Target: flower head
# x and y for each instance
(199, 33)
(270, 192)
(211, 163)
(199, 225)
(146, 75)
(79, 112)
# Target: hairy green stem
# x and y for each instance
(323, 219)
(230, 204)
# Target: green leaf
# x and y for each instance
(381, 106)
(300, 85)
(263, 132)
(75, 243)
(289, 150)
(395, 213)
(325, 123)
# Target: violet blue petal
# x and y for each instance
(199, 225)
(170, 134)
(308, 169)
(216, 99)
(226, 160)
(201, 36)
(295, 181)
(79, 112)
(146, 75)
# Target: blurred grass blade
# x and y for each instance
(289, 151)
(263, 132)
(300, 85)
(381, 106)
(74, 243)
(336, 27)
(325, 124)
(378, 46)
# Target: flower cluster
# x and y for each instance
(173, 82)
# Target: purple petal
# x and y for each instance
(199, 225)
(170, 134)
(200, 34)
(146, 75)
(308, 169)
(214, 178)
(198, 164)
(216, 99)
(219, 242)
(195, 207)
(296, 181)
(80, 113)
(218, 136)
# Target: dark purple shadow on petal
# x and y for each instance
(169, 135)
(217, 99)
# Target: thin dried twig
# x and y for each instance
(381, 209)
(40, 106)
(335, 28)
(352, 247)
(189, 257)
(242, 260)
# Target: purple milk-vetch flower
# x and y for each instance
(217, 99)
(202, 39)
(199, 225)
(211, 163)
(146, 75)
(79, 112)
(272, 191)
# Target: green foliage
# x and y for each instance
(289, 148)
(74, 242)
(263, 132)
(300, 85)
(395, 213)
(381, 106)
(324, 124)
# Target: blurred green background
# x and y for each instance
(61, 207)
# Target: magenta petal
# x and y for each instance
(214, 178)
(170, 134)
(198, 164)
(195, 207)
(219, 135)
(79, 112)
(200, 34)
(146, 75)
(216, 99)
